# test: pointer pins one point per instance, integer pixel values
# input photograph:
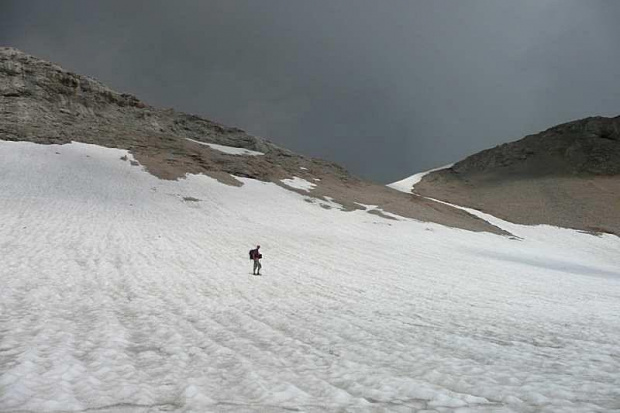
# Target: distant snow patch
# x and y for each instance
(379, 211)
(328, 202)
(407, 184)
(298, 183)
(231, 150)
(367, 207)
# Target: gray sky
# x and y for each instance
(386, 88)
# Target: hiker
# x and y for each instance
(256, 256)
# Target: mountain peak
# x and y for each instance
(584, 147)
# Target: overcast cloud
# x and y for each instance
(386, 88)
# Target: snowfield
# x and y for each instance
(121, 292)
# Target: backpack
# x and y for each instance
(255, 254)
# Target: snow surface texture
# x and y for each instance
(125, 293)
(407, 184)
(298, 183)
(231, 150)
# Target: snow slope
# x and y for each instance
(406, 185)
(125, 293)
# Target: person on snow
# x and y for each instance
(256, 256)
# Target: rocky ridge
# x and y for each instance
(567, 176)
(43, 103)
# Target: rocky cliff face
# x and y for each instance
(43, 103)
(568, 176)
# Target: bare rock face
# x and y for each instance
(43, 103)
(567, 176)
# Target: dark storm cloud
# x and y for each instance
(387, 88)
